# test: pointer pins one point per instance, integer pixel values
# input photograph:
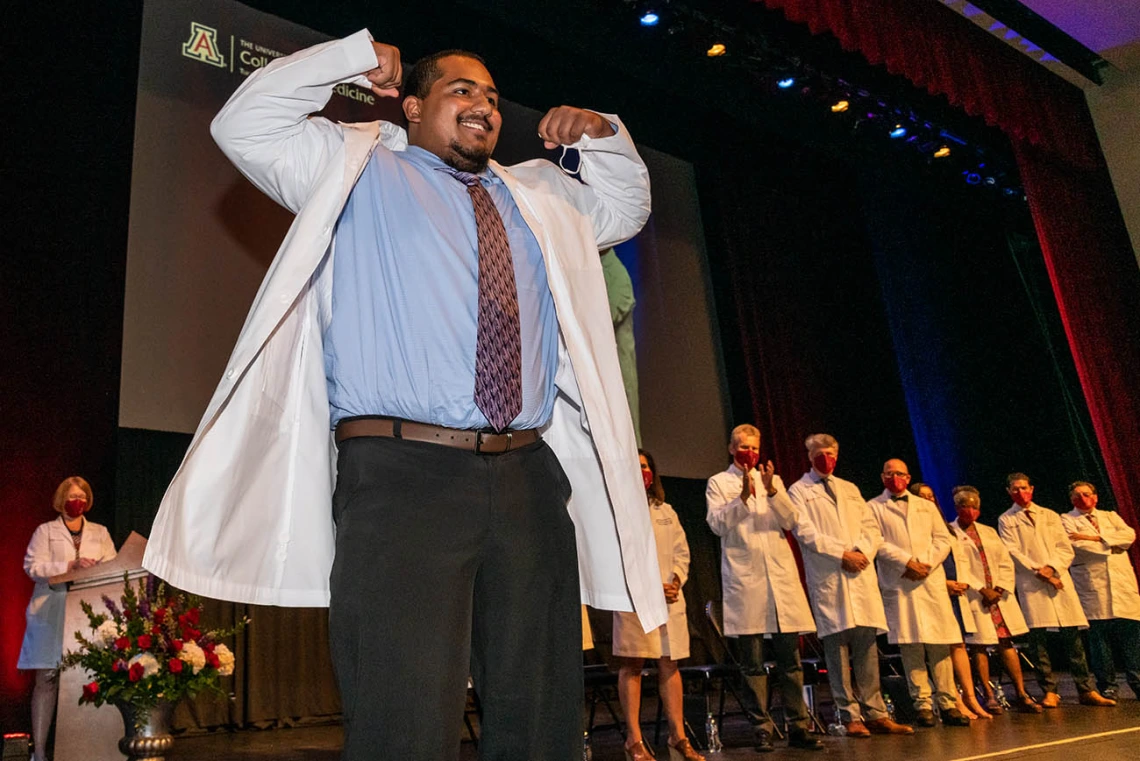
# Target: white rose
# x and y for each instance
(107, 633)
(147, 661)
(193, 656)
(225, 660)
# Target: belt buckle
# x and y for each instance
(479, 441)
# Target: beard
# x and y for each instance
(471, 160)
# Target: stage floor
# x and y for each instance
(1071, 733)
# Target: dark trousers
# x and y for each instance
(1123, 636)
(450, 563)
(748, 650)
(1069, 639)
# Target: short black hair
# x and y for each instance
(426, 71)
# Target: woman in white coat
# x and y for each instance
(65, 544)
(985, 563)
(667, 643)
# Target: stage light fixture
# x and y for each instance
(649, 18)
(898, 131)
(716, 50)
(840, 107)
(785, 83)
(942, 152)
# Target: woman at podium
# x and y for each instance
(68, 543)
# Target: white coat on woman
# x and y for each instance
(670, 640)
(760, 582)
(49, 553)
(248, 515)
(840, 600)
(1002, 576)
(918, 611)
(1036, 542)
(1102, 571)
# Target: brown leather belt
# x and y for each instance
(479, 442)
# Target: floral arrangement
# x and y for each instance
(150, 647)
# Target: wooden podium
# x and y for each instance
(84, 732)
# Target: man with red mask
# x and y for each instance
(839, 538)
(749, 509)
(919, 614)
(1042, 554)
(1106, 584)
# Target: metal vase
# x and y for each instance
(147, 732)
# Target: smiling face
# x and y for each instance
(458, 119)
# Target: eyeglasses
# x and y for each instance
(892, 473)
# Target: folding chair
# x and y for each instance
(729, 671)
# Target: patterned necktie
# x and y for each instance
(1092, 520)
(826, 481)
(498, 348)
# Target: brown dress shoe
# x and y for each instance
(638, 752)
(888, 726)
(857, 729)
(1051, 700)
(1094, 698)
(683, 751)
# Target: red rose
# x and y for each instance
(155, 631)
(118, 665)
(212, 659)
(144, 642)
(160, 614)
(122, 643)
(176, 665)
(90, 690)
(209, 647)
(192, 615)
(189, 633)
(176, 645)
(136, 672)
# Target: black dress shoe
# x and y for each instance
(800, 738)
(952, 717)
(924, 717)
(762, 741)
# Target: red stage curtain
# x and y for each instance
(935, 48)
(1082, 235)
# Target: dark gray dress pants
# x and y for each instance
(450, 563)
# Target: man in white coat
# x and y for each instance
(1106, 583)
(1042, 554)
(839, 538)
(920, 619)
(749, 509)
(433, 338)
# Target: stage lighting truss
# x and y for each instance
(777, 71)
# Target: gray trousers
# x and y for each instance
(916, 658)
(1069, 639)
(449, 564)
(854, 650)
(748, 649)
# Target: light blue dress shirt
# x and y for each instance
(401, 342)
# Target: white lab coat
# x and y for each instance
(760, 582)
(962, 602)
(49, 553)
(840, 600)
(672, 639)
(1102, 571)
(969, 562)
(917, 611)
(1032, 545)
(248, 515)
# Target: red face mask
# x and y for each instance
(75, 507)
(1022, 498)
(824, 462)
(1085, 504)
(647, 478)
(747, 459)
(895, 484)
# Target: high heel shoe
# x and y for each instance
(638, 752)
(683, 751)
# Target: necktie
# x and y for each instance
(1029, 514)
(1092, 520)
(498, 348)
(826, 481)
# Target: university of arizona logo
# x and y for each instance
(203, 45)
